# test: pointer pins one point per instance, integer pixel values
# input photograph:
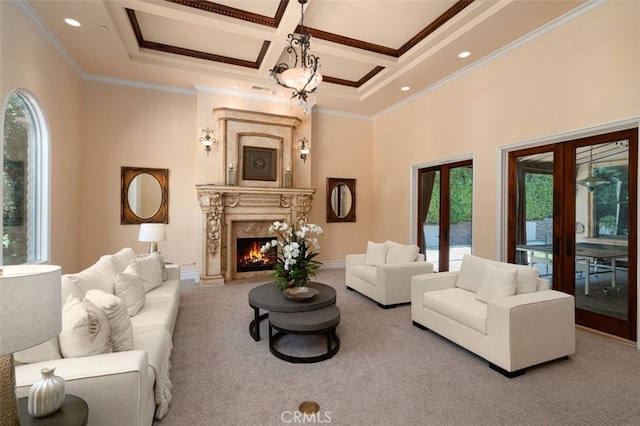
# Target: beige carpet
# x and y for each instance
(388, 372)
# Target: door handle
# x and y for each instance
(556, 247)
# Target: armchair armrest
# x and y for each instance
(528, 329)
(350, 261)
(421, 284)
(118, 379)
(173, 272)
(395, 279)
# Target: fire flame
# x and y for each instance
(253, 254)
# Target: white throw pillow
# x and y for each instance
(401, 253)
(376, 253)
(496, 282)
(85, 329)
(160, 259)
(99, 275)
(122, 258)
(118, 317)
(130, 289)
(149, 270)
(527, 280)
(471, 271)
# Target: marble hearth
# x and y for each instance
(232, 212)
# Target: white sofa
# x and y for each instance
(129, 387)
(384, 272)
(502, 312)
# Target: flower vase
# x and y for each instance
(46, 395)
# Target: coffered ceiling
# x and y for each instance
(368, 49)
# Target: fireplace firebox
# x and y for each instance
(250, 259)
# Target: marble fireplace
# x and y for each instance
(238, 206)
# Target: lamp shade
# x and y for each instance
(30, 306)
(152, 232)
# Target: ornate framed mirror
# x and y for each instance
(144, 195)
(341, 200)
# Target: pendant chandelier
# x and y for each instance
(303, 77)
(591, 182)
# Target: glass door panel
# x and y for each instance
(533, 211)
(602, 229)
(445, 209)
(430, 220)
(460, 199)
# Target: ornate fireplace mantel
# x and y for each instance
(232, 211)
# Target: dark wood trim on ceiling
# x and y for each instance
(389, 51)
(160, 47)
(232, 12)
(274, 22)
(350, 83)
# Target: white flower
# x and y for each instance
(266, 247)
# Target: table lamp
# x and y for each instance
(30, 314)
(152, 233)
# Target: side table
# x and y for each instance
(74, 411)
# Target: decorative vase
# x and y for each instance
(301, 282)
(46, 395)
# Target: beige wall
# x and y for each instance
(582, 74)
(342, 149)
(124, 126)
(30, 62)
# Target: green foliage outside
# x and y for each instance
(539, 196)
(461, 183)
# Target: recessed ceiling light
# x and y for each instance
(72, 22)
(405, 88)
(464, 54)
(234, 86)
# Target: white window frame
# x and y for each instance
(41, 169)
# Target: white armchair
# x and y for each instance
(384, 272)
(500, 311)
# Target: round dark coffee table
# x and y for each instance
(320, 321)
(269, 298)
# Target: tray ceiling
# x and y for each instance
(367, 49)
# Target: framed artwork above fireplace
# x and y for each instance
(259, 163)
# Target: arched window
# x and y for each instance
(25, 183)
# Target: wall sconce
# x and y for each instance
(208, 139)
(304, 146)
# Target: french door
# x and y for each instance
(572, 215)
(444, 213)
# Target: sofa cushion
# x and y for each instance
(122, 258)
(169, 288)
(527, 279)
(366, 273)
(130, 289)
(148, 269)
(376, 253)
(43, 352)
(459, 305)
(118, 317)
(160, 311)
(401, 253)
(85, 329)
(100, 275)
(471, 271)
(496, 282)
